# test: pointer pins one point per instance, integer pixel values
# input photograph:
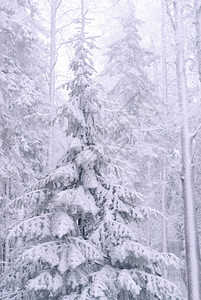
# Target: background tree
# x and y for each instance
(23, 134)
(187, 174)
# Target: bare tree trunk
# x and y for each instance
(155, 68)
(188, 194)
(52, 78)
(82, 17)
(163, 202)
(165, 100)
(197, 5)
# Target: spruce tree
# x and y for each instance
(23, 104)
(133, 97)
(23, 97)
(76, 238)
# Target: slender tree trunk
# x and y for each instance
(197, 5)
(165, 100)
(155, 68)
(82, 17)
(164, 56)
(188, 195)
(6, 254)
(164, 211)
(52, 78)
(5, 220)
(163, 200)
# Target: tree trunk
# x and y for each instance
(52, 78)
(165, 100)
(163, 202)
(198, 33)
(187, 176)
(155, 68)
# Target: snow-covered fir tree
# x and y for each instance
(23, 96)
(23, 102)
(75, 237)
(132, 97)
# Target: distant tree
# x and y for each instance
(133, 105)
(144, 124)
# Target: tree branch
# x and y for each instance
(194, 134)
(170, 15)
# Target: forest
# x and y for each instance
(100, 149)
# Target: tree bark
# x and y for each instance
(197, 5)
(187, 176)
(163, 202)
(165, 100)
(52, 78)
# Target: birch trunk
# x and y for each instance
(188, 195)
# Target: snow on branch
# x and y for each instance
(36, 227)
(45, 281)
(158, 286)
(77, 198)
